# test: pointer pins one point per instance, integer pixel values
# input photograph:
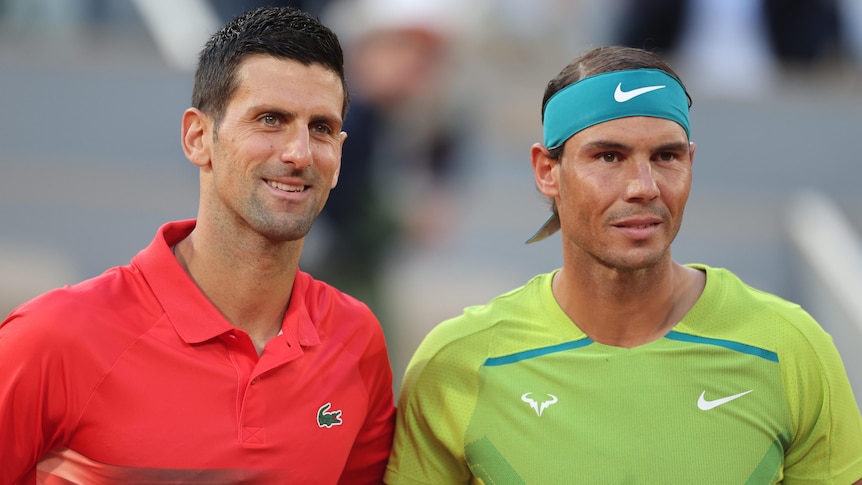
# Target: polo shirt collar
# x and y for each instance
(193, 316)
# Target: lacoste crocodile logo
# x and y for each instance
(539, 407)
(327, 419)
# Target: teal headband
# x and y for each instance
(612, 95)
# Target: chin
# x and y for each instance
(284, 231)
(636, 262)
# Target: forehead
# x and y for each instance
(632, 130)
(265, 79)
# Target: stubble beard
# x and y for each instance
(280, 225)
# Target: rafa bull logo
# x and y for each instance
(539, 405)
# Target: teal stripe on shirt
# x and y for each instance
(728, 344)
(529, 354)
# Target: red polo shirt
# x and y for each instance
(135, 377)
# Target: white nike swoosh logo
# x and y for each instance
(705, 405)
(622, 96)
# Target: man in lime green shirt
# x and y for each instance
(625, 366)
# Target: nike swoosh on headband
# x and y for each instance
(621, 96)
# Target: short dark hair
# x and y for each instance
(280, 32)
(601, 60)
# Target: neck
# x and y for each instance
(627, 309)
(250, 284)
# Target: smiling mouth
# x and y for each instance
(286, 187)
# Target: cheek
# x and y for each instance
(576, 206)
(675, 192)
(586, 190)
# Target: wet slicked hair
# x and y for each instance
(280, 32)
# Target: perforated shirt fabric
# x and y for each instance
(746, 389)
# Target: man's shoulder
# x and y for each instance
(322, 299)
(115, 306)
(731, 292)
(336, 317)
(734, 310)
(507, 323)
(86, 302)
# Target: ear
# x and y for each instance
(342, 136)
(545, 170)
(196, 136)
(691, 148)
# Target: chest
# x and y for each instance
(217, 406)
(686, 413)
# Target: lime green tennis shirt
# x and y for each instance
(746, 389)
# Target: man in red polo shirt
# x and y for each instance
(211, 358)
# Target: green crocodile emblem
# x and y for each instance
(326, 419)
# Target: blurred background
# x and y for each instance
(436, 196)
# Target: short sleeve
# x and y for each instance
(827, 427)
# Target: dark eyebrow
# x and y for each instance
(258, 110)
(673, 147)
(605, 145)
(613, 145)
(329, 120)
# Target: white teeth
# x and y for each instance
(285, 187)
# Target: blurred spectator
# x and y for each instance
(655, 25)
(67, 13)
(802, 31)
(851, 16)
(399, 160)
(720, 39)
(725, 49)
(228, 9)
(797, 30)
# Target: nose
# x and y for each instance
(641, 184)
(297, 149)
